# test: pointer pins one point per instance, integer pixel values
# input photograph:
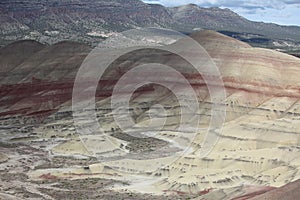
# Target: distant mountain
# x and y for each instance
(231, 24)
(226, 20)
(89, 21)
(86, 20)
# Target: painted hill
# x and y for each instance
(258, 145)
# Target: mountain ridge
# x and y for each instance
(92, 21)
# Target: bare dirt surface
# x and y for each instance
(44, 156)
(15, 184)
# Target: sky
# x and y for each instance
(283, 12)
